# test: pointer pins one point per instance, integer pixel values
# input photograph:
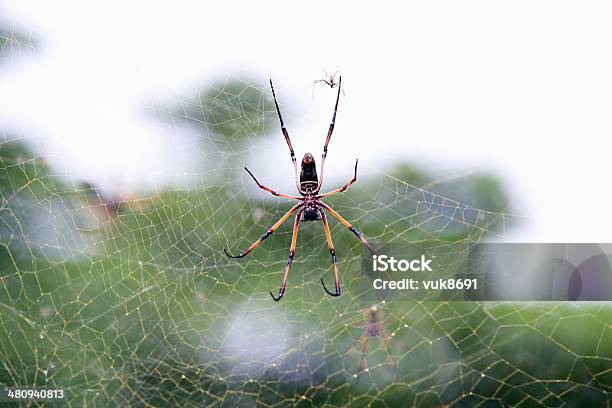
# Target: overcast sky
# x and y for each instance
(521, 89)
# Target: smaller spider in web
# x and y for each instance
(329, 80)
(309, 206)
(374, 328)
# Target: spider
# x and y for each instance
(374, 328)
(329, 80)
(309, 206)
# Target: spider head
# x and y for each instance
(307, 159)
(308, 176)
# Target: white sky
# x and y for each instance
(523, 89)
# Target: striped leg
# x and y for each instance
(332, 252)
(266, 234)
(281, 291)
(343, 188)
(350, 227)
(286, 134)
(274, 193)
(329, 133)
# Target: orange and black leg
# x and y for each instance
(329, 132)
(349, 226)
(283, 286)
(274, 193)
(332, 252)
(343, 188)
(286, 134)
(266, 234)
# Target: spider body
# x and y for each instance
(374, 325)
(309, 182)
(310, 206)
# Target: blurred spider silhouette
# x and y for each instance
(309, 206)
(374, 328)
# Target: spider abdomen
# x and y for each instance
(309, 182)
(311, 214)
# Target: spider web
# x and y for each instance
(132, 302)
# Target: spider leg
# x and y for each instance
(329, 133)
(266, 234)
(364, 349)
(283, 286)
(318, 81)
(384, 344)
(286, 134)
(343, 188)
(349, 226)
(332, 252)
(274, 193)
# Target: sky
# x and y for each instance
(521, 90)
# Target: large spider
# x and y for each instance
(309, 206)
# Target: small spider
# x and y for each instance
(329, 80)
(309, 206)
(374, 328)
